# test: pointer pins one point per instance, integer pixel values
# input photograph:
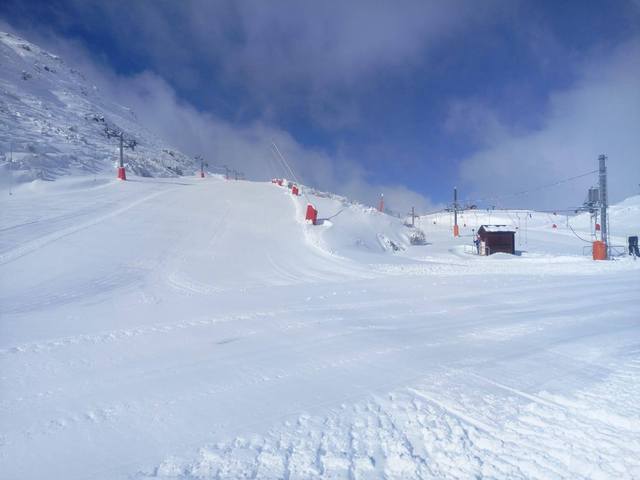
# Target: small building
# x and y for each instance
(496, 238)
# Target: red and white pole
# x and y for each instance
(381, 204)
(122, 175)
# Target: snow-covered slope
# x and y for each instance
(54, 122)
(199, 328)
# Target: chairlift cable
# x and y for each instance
(578, 236)
(284, 161)
(534, 189)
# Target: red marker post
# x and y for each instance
(312, 214)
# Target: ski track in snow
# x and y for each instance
(178, 280)
(424, 432)
(38, 243)
(128, 333)
(553, 313)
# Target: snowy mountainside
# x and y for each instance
(55, 122)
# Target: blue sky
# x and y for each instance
(409, 97)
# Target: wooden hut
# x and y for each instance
(496, 238)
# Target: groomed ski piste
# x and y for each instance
(193, 328)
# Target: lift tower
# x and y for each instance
(456, 230)
(121, 171)
(604, 201)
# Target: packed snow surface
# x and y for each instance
(198, 328)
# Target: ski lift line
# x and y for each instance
(541, 187)
(279, 166)
(534, 189)
(505, 210)
(524, 210)
(431, 213)
(284, 161)
(577, 236)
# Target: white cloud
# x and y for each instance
(280, 55)
(598, 114)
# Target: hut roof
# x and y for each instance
(496, 228)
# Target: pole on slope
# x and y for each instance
(381, 204)
(604, 204)
(122, 175)
(413, 217)
(202, 164)
(456, 230)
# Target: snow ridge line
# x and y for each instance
(38, 243)
(111, 335)
(36, 347)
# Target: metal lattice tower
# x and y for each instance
(604, 200)
(121, 165)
